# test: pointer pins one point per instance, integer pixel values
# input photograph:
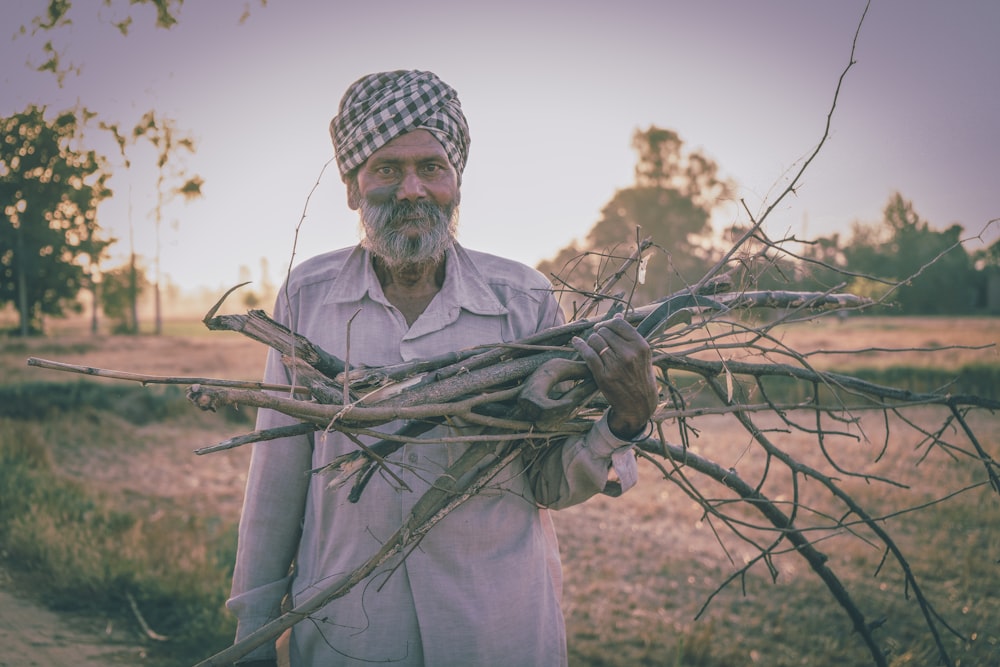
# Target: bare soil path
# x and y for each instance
(31, 635)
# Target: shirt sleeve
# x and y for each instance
(270, 524)
(578, 469)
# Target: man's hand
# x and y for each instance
(621, 362)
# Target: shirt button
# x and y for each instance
(412, 457)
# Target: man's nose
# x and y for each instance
(411, 187)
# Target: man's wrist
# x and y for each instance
(629, 431)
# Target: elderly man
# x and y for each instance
(483, 587)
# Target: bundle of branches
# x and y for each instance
(532, 391)
(711, 358)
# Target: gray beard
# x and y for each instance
(384, 227)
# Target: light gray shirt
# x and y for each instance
(483, 587)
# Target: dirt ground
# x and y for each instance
(31, 634)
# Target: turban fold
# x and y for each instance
(379, 107)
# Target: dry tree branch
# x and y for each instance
(857, 510)
(603, 290)
(784, 524)
(144, 379)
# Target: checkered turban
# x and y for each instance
(379, 107)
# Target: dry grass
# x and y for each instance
(639, 568)
(943, 342)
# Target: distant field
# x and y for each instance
(638, 568)
(945, 342)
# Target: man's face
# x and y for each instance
(407, 193)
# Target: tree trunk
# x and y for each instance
(133, 290)
(22, 284)
(93, 308)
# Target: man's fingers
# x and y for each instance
(599, 343)
(587, 349)
(618, 327)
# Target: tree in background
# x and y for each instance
(987, 265)
(937, 274)
(119, 287)
(671, 203)
(163, 135)
(167, 141)
(49, 236)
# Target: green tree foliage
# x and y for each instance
(936, 272)
(671, 203)
(990, 257)
(120, 15)
(49, 236)
(57, 14)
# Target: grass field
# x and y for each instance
(100, 504)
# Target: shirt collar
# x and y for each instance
(464, 287)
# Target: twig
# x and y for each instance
(149, 632)
(145, 379)
(259, 436)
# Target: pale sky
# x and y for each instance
(553, 92)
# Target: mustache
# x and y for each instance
(383, 224)
(407, 210)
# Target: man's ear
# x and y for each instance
(353, 192)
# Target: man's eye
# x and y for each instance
(384, 171)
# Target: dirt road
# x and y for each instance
(31, 635)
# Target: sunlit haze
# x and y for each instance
(553, 93)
